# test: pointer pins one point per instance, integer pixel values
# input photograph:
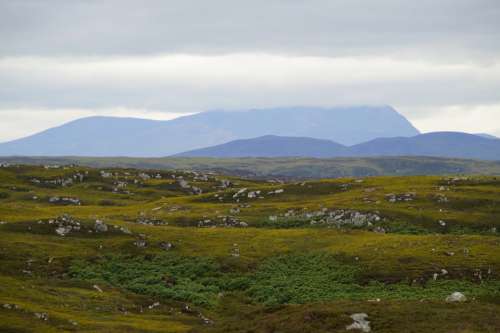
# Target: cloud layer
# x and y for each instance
(436, 62)
(458, 28)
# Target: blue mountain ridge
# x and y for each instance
(436, 144)
(113, 136)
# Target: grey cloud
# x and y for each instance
(445, 30)
(191, 84)
(430, 59)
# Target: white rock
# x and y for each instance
(360, 323)
(100, 226)
(63, 231)
(456, 297)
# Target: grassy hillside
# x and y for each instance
(286, 168)
(127, 250)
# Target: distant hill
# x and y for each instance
(438, 144)
(284, 168)
(271, 146)
(110, 136)
(487, 136)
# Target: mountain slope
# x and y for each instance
(92, 136)
(438, 144)
(271, 146)
(487, 136)
(108, 136)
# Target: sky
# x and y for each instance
(436, 61)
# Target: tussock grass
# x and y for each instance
(274, 275)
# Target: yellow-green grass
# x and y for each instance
(35, 262)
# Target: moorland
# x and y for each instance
(101, 249)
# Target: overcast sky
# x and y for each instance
(436, 61)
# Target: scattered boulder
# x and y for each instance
(253, 194)
(65, 201)
(96, 287)
(351, 218)
(278, 191)
(154, 305)
(410, 196)
(235, 251)
(42, 316)
(240, 192)
(65, 224)
(63, 231)
(225, 221)
(167, 246)
(105, 174)
(144, 176)
(224, 183)
(456, 297)
(441, 198)
(234, 211)
(183, 183)
(143, 219)
(141, 241)
(205, 320)
(125, 230)
(100, 226)
(360, 323)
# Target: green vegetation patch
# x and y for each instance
(300, 279)
(288, 279)
(197, 280)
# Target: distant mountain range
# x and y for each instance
(438, 144)
(361, 131)
(110, 136)
(271, 146)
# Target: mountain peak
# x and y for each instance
(113, 136)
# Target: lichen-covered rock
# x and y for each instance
(360, 323)
(456, 297)
(100, 226)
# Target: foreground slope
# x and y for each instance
(108, 136)
(117, 250)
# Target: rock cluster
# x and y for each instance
(42, 316)
(65, 224)
(353, 218)
(105, 174)
(142, 219)
(65, 201)
(224, 221)
(410, 196)
(278, 191)
(80, 177)
(185, 185)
